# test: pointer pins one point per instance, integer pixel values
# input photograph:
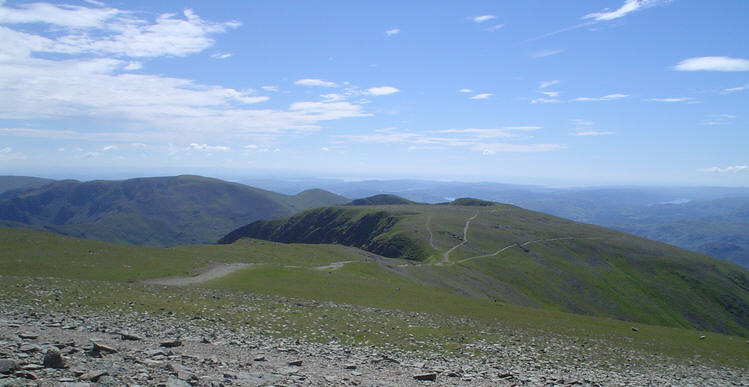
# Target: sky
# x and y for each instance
(587, 92)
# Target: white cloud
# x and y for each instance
(62, 16)
(207, 148)
(465, 91)
(545, 84)
(220, 55)
(735, 89)
(482, 96)
(476, 139)
(545, 53)
(592, 133)
(325, 149)
(483, 18)
(7, 149)
(730, 169)
(550, 93)
(315, 83)
(609, 97)
(392, 31)
(495, 27)
(132, 66)
(110, 148)
(628, 7)
(381, 90)
(672, 99)
(713, 63)
(585, 128)
(545, 100)
(270, 88)
(332, 97)
(718, 119)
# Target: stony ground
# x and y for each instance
(66, 349)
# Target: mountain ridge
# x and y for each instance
(157, 211)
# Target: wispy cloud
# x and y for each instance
(730, 169)
(465, 91)
(735, 89)
(392, 31)
(270, 88)
(482, 96)
(545, 100)
(221, 55)
(475, 139)
(610, 97)
(482, 18)
(713, 63)
(495, 27)
(591, 19)
(545, 53)
(628, 7)
(314, 82)
(584, 127)
(545, 84)
(207, 148)
(381, 90)
(718, 119)
(671, 99)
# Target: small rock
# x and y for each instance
(259, 358)
(101, 348)
(171, 343)
(350, 366)
(53, 359)
(27, 335)
(702, 337)
(130, 336)
(174, 382)
(431, 376)
(93, 375)
(8, 366)
(635, 329)
(297, 363)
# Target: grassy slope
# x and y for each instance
(99, 275)
(599, 272)
(151, 211)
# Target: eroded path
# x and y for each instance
(213, 272)
(446, 254)
(516, 244)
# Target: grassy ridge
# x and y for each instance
(545, 261)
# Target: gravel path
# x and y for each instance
(216, 271)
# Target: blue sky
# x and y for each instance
(585, 92)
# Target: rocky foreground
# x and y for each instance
(63, 349)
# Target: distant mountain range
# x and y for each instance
(159, 211)
(487, 250)
(710, 220)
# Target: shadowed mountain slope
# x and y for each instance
(158, 211)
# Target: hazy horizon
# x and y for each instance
(585, 93)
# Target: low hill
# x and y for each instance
(159, 211)
(506, 253)
(8, 183)
(380, 199)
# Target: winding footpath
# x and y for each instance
(446, 254)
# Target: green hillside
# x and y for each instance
(532, 259)
(318, 293)
(159, 211)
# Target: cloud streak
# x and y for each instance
(713, 63)
(730, 169)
